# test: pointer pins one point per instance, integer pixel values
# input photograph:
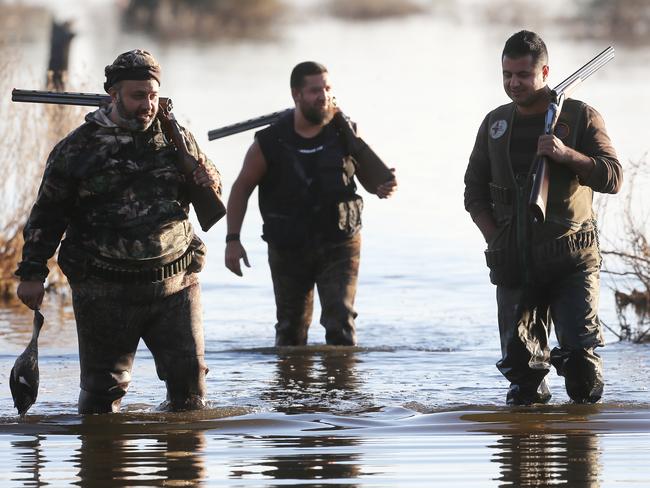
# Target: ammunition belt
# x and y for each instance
(565, 245)
(547, 250)
(116, 274)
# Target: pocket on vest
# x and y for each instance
(347, 217)
(284, 230)
(502, 257)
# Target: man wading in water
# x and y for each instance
(311, 212)
(559, 279)
(129, 253)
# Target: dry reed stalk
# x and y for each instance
(29, 131)
(630, 258)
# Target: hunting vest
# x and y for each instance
(308, 191)
(569, 203)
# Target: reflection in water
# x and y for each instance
(309, 379)
(129, 460)
(316, 380)
(16, 323)
(30, 462)
(539, 459)
(327, 458)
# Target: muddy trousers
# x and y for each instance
(109, 329)
(566, 296)
(333, 268)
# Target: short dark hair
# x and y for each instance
(523, 43)
(306, 68)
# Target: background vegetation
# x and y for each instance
(629, 257)
(203, 19)
(29, 131)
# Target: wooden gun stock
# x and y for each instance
(207, 201)
(370, 169)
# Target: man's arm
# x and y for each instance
(477, 191)
(45, 226)
(553, 148)
(595, 161)
(252, 172)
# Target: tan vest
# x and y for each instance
(569, 203)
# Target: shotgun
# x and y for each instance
(539, 193)
(371, 170)
(207, 201)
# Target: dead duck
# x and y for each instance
(23, 379)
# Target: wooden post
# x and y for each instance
(57, 72)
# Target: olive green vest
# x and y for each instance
(569, 203)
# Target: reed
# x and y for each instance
(29, 131)
(628, 258)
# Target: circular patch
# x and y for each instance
(562, 130)
(498, 128)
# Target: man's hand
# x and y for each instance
(550, 146)
(386, 190)
(31, 293)
(206, 174)
(553, 148)
(234, 253)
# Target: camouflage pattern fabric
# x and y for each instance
(136, 64)
(115, 193)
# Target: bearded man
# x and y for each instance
(130, 254)
(310, 208)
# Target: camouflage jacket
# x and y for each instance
(115, 193)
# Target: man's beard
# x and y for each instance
(316, 115)
(129, 120)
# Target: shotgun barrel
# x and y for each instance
(249, 124)
(67, 98)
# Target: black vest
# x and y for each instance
(308, 193)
